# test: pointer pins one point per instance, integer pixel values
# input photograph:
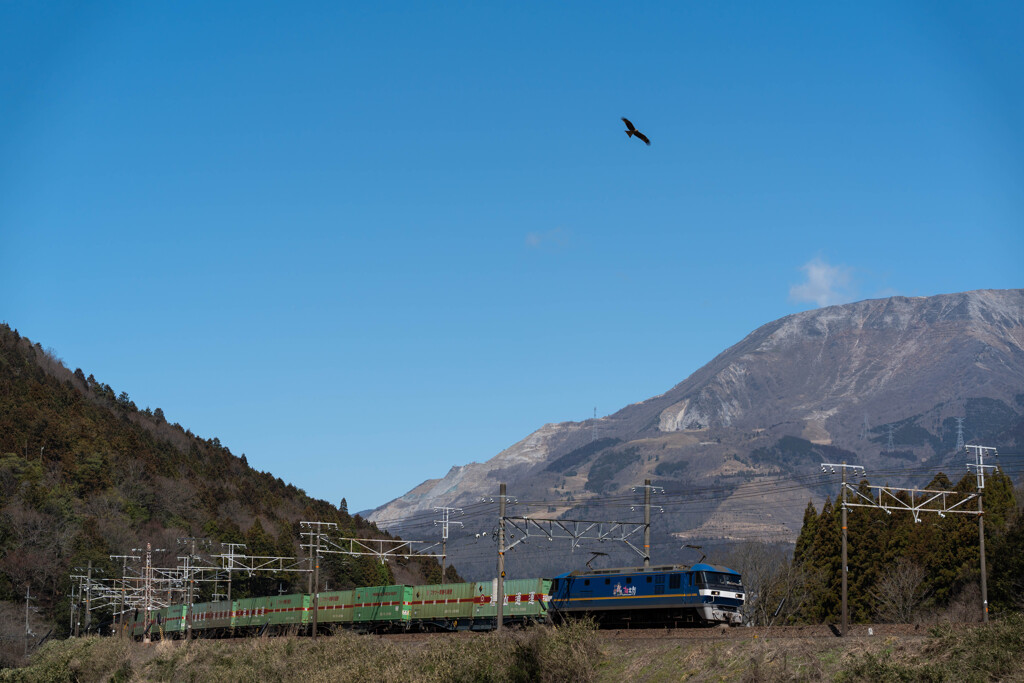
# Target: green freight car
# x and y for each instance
(525, 601)
(173, 621)
(335, 607)
(212, 618)
(445, 607)
(383, 608)
(250, 615)
(288, 612)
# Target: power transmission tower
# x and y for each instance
(979, 468)
(889, 446)
(593, 427)
(959, 434)
(864, 429)
(444, 522)
(831, 467)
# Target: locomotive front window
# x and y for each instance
(720, 579)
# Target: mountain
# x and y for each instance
(85, 474)
(737, 445)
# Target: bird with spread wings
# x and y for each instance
(631, 131)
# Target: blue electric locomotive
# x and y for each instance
(669, 595)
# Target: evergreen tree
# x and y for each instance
(805, 540)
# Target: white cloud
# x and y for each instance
(556, 238)
(826, 284)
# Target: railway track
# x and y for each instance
(817, 632)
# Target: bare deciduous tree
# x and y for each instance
(775, 588)
(898, 592)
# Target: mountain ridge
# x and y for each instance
(839, 377)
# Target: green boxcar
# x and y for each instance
(335, 607)
(249, 613)
(383, 604)
(443, 603)
(174, 619)
(525, 599)
(211, 615)
(288, 609)
(139, 622)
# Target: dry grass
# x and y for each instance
(544, 654)
(573, 652)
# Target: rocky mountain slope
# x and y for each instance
(879, 383)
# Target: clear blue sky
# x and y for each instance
(364, 242)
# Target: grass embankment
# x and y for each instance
(538, 654)
(571, 653)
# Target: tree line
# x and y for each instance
(899, 570)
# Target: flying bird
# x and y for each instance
(631, 131)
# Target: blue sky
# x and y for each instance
(364, 242)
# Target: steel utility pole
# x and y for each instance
(147, 579)
(88, 598)
(830, 467)
(647, 523)
(979, 466)
(648, 489)
(231, 554)
(28, 629)
(316, 586)
(317, 529)
(501, 557)
(75, 607)
(124, 587)
(444, 522)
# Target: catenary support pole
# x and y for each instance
(316, 583)
(846, 616)
(88, 598)
(981, 543)
(647, 523)
(501, 558)
(979, 468)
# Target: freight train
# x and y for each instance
(667, 596)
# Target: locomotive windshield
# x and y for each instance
(731, 581)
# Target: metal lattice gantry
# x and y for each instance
(579, 530)
(573, 530)
(914, 501)
(383, 549)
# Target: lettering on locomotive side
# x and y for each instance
(617, 589)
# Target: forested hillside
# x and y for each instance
(85, 474)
